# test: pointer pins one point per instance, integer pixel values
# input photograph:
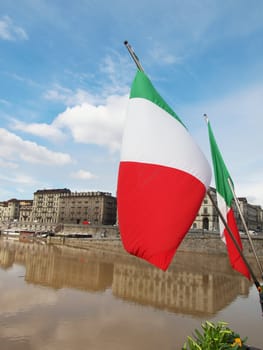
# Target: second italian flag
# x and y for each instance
(225, 198)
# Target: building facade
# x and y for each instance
(46, 205)
(53, 207)
(10, 210)
(96, 208)
(207, 217)
(252, 215)
(25, 211)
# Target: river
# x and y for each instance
(55, 297)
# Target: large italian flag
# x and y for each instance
(224, 200)
(163, 177)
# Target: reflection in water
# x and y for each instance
(63, 298)
(7, 256)
(58, 271)
(197, 285)
(194, 293)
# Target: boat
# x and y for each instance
(11, 232)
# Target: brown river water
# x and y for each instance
(56, 297)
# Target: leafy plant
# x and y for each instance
(215, 337)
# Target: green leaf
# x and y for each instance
(214, 337)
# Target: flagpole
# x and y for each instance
(234, 241)
(245, 226)
(133, 55)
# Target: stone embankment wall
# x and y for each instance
(212, 244)
(107, 237)
(95, 231)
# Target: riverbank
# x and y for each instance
(193, 242)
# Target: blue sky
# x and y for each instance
(65, 78)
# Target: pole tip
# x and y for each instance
(125, 42)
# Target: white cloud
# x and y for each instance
(113, 78)
(116, 71)
(19, 179)
(237, 124)
(253, 191)
(161, 56)
(41, 129)
(14, 148)
(83, 175)
(4, 102)
(237, 121)
(70, 97)
(10, 31)
(23, 79)
(7, 164)
(101, 125)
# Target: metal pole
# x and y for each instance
(245, 226)
(257, 284)
(133, 55)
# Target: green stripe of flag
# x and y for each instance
(220, 170)
(143, 88)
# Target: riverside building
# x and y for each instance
(97, 208)
(207, 217)
(53, 207)
(11, 210)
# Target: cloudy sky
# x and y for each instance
(65, 78)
